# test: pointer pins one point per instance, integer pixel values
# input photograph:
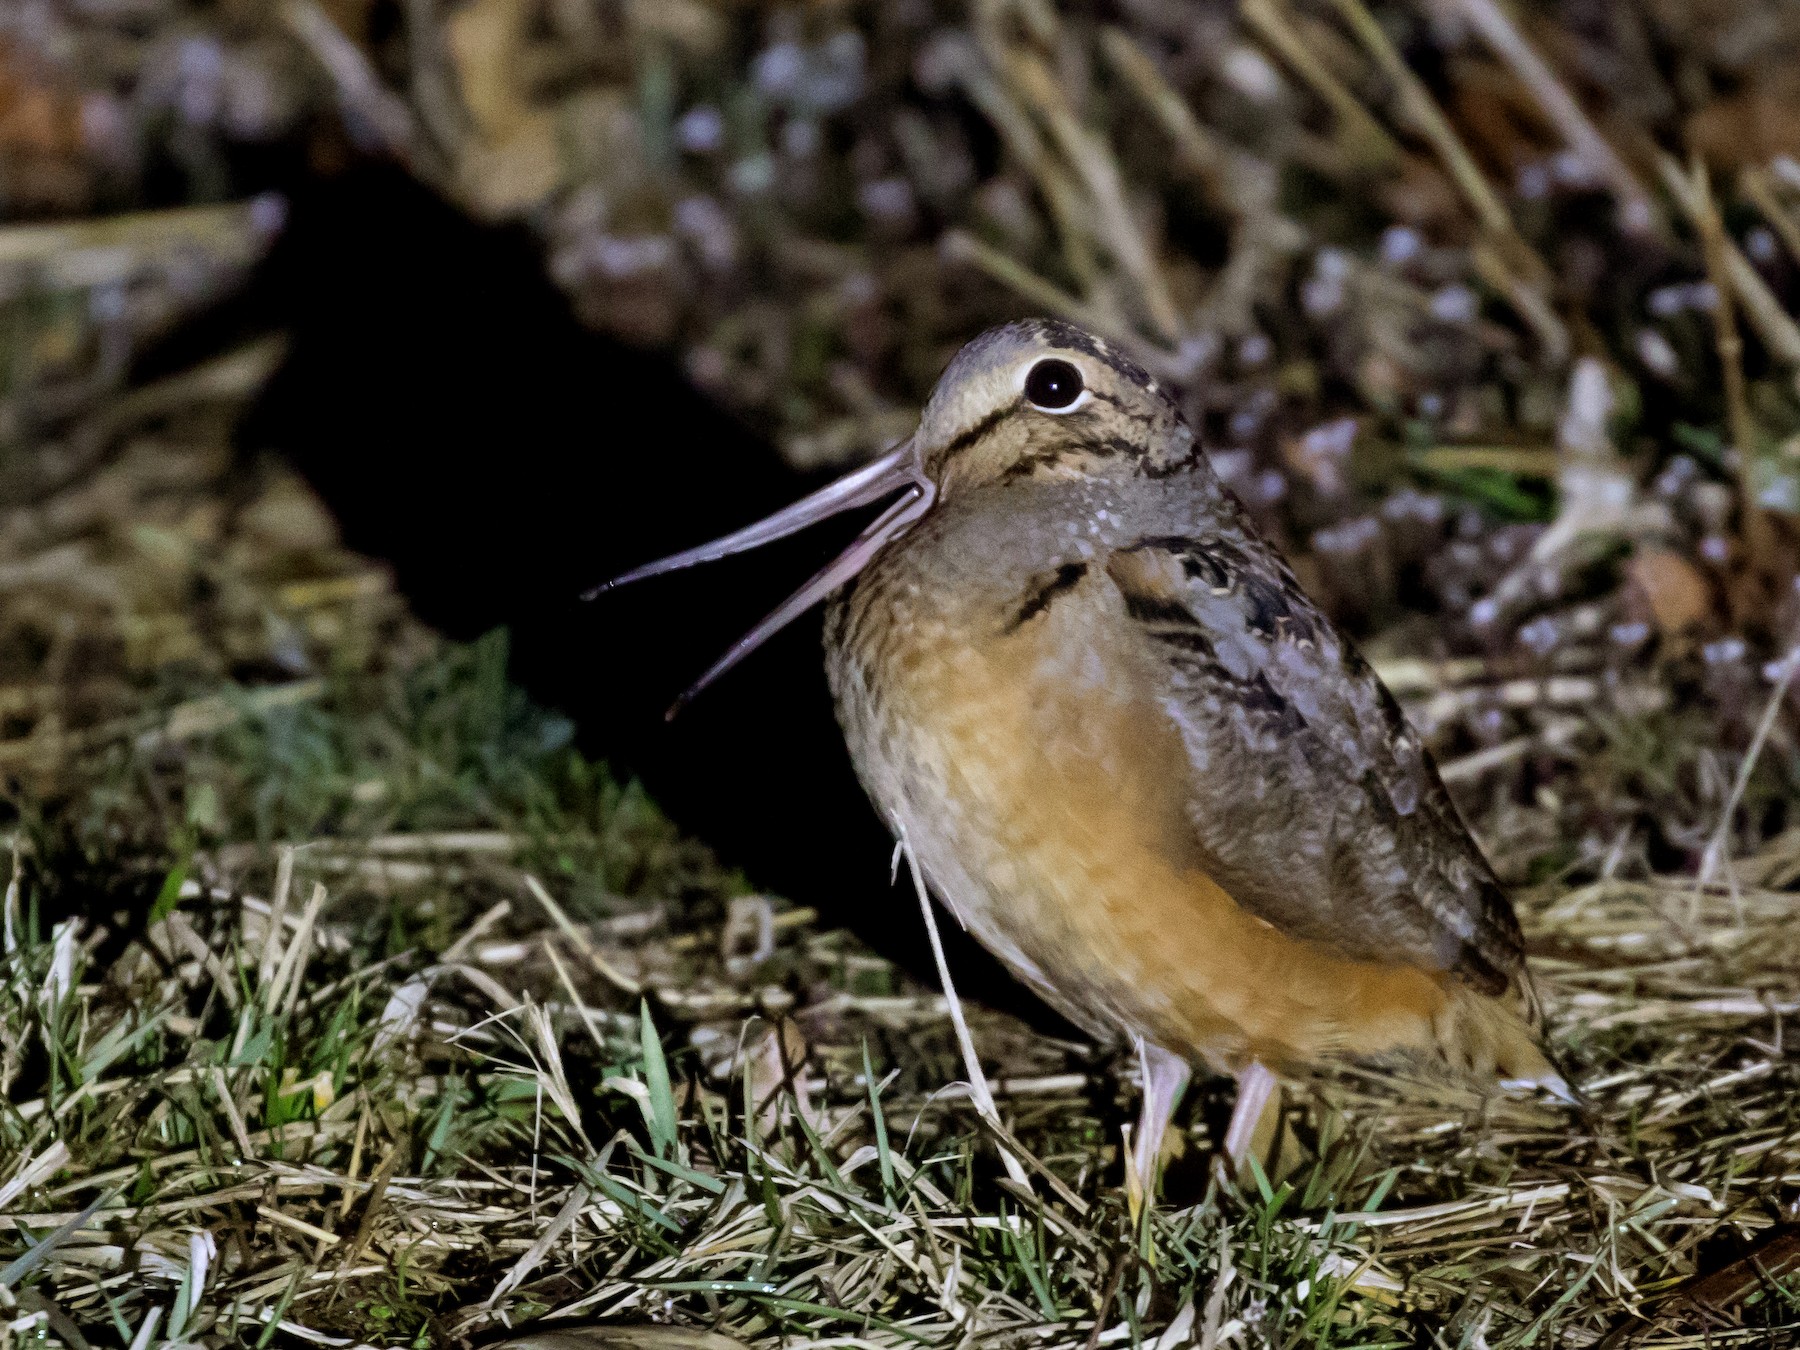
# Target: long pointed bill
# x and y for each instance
(896, 470)
(888, 526)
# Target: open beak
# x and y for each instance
(898, 470)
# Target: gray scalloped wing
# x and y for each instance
(1312, 800)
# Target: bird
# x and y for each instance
(1134, 759)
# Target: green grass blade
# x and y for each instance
(883, 1152)
(656, 1078)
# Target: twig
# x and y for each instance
(1779, 333)
(1428, 118)
(602, 967)
(1525, 461)
(1364, 137)
(1725, 330)
(960, 245)
(273, 941)
(280, 997)
(111, 249)
(1717, 846)
(978, 1084)
(10, 905)
(1507, 255)
(212, 713)
(354, 1169)
(535, 1254)
(1755, 184)
(41, 1250)
(441, 114)
(301, 1226)
(1506, 41)
(1099, 173)
(1199, 148)
(450, 841)
(1467, 768)
(1526, 299)
(1554, 691)
(460, 949)
(373, 113)
(238, 374)
(378, 1186)
(198, 717)
(977, 79)
(587, 1013)
(1731, 361)
(36, 1169)
(181, 933)
(1108, 1292)
(1555, 736)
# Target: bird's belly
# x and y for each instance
(1044, 794)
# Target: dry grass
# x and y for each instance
(355, 1138)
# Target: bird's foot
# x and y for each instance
(1253, 1119)
(1165, 1078)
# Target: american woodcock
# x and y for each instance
(1133, 758)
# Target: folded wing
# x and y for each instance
(1311, 799)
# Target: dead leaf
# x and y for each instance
(44, 158)
(513, 161)
(1669, 590)
(696, 28)
(498, 181)
(485, 41)
(36, 118)
(1421, 195)
(1749, 130)
(1496, 116)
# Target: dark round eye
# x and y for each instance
(1053, 384)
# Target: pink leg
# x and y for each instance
(1165, 1078)
(1256, 1085)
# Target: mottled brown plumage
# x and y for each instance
(1108, 718)
(1136, 761)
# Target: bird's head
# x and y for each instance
(1043, 399)
(1029, 400)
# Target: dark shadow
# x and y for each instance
(501, 458)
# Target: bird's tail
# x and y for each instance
(1502, 1039)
